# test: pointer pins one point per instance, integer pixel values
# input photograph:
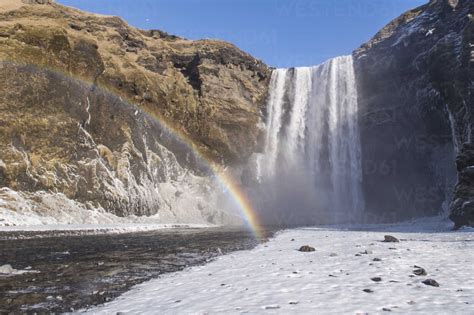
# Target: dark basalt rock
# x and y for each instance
(430, 282)
(306, 248)
(390, 239)
(414, 81)
(419, 271)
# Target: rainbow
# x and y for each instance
(227, 183)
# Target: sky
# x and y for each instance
(282, 33)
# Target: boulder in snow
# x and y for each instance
(390, 239)
(431, 282)
(306, 248)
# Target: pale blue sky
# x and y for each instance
(282, 33)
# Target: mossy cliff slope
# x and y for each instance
(79, 94)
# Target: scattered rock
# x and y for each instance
(376, 279)
(358, 255)
(431, 282)
(385, 309)
(293, 302)
(271, 307)
(332, 255)
(411, 302)
(366, 252)
(306, 248)
(377, 259)
(292, 239)
(368, 291)
(390, 239)
(420, 271)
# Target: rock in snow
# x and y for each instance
(306, 248)
(390, 239)
(431, 282)
(419, 271)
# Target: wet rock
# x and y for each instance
(306, 248)
(376, 279)
(431, 282)
(390, 239)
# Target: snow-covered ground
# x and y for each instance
(277, 278)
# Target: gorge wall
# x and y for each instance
(415, 98)
(82, 97)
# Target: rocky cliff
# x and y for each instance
(415, 94)
(86, 101)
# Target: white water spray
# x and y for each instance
(312, 153)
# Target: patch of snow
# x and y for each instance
(430, 32)
(276, 278)
(8, 270)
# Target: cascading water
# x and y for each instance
(310, 169)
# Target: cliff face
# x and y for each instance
(80, 94)
(415, 85)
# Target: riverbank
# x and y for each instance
(77, 271)
(350, 271)
(60, 230)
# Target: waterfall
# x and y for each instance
(310, 167)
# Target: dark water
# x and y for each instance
(80, 271)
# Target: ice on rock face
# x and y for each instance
(164, 190)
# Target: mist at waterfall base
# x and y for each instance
(309, 169)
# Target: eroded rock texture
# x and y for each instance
(80, 95)
(415, 85)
